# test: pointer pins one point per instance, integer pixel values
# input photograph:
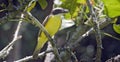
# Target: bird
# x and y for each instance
(52, 23)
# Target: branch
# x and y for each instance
(89, 31)
(114, 59)
(31, 57)
(49, 56)
(42, 54)
(5, 51)
(81, 32)
(96, 26)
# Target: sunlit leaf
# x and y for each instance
(116, 28)
(112, 7)
(72, 6)
(43, 3)
(107, 34)
(31, 6)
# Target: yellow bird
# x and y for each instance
(52, 25)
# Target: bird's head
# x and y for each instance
(59, 11)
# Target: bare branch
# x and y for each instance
(49, 56)
(5, 51)
(31, 57)
(96, 26)
(114, 59)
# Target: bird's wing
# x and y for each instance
(52, 26)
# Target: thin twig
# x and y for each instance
(114, 59)
(31, 57)
(81, 37)
(42, 54)
(89, 31)
(5, 51)
(96, 30)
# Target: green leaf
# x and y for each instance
(72, 6)
(43, 3)
(112, 7)
(31, 6)
(116, 28)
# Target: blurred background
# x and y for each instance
(25, 46)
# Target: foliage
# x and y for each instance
(116, 27)
(112, 8)
(87, 15)
(31, 6)
(72, 6)
(43, 3)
